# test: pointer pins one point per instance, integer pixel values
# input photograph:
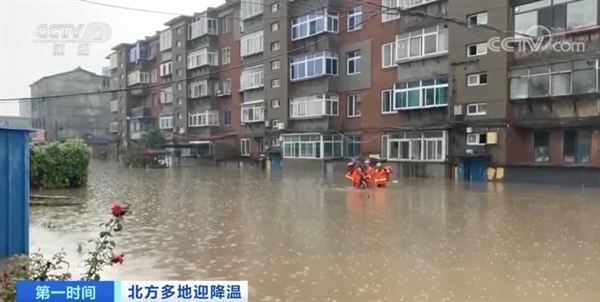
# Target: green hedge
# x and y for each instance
(59, 165)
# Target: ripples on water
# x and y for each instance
(297, 236)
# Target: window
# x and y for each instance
(477, 79)
(114, 127)
(245, 147)
(199, 89)
(313, 65)
(179, 86)
(388, 52)
(179, 72)
(250, 8)
(178, 43)
(166, 69)
(166, 95)
(252, 43)
(389, 10)
(558, 79)
(476, 139)
(178, 58)
(225, 55)
(226, 117)
(477, 19)
(314, 106)
(478, 49)
(274, 65)
(387, 102)
(275, 83)
(353, 60)
(226, 87)
(166, 122)
(576, 146)
(418, 94)
(417, 146)
(355, 18)
(200, 27)
(354, 105)
(314, 24)
(179, 31)
(352, 145)
(275, 103)
(179, 101)
(138, 77)
(274, 122)
(114, 106)
(204, 119)
(275, 142)
(275, 46)
(424, 42)
(226, 24)
(274, 7)
(559, 16)
(541, 146)
(476, 109)
(154, 76)
(275, 26)
(253, 112)
(302, 146)
(252, 78)
(202, 57)
(179, 115)
(166, 40)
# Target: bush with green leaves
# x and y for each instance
(59, 165)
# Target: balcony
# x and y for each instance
(202, 26)
(140, 112)
(140, 91)
(207, 118)
(137, 135)
(314, 107)
(114, 106)
(253, 112)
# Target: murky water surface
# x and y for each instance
(300, 237)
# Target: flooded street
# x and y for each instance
(299, 237)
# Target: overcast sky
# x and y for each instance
(23, 61)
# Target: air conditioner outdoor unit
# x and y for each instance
(281, 125)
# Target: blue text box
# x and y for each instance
(65, 291)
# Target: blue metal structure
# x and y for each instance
(14, 191)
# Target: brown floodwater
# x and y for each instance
(299, 236)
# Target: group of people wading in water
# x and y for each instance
(363, 175)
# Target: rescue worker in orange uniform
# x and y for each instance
(368, 170)
(358, 178)
(349, 170)
(380, 176)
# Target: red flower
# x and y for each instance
(118, 210)
(117, 259)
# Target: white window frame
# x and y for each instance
(252, 78)
(202, 57)
(480, 19)
(138, 77)
(314, 106)
(275, 46)
(206, 118)
(353, 99)
(227, 122)
(114, 106)
(252, 112)
(199, 89)
(319, 20)
(114, 61)
(245, 147)
(274, 7)
(203, 26)
(166, 122)
(225, 55)
(275, 26)
(404, 42)
(314, 59)
(308, 141)
(474, 79)
(250, 8)
(226, 24)
(166, 69)
(422, 99)
(391, 56)
(356, 59)
(252, 43)
(424, 141)
(481, 49)
(275, 83)
(166, 40)
(390, 100)
(354, 18)
(154, 76)
(226, 89)
(275, 103)
(114, 127)
(275, 65)
(473, 139)
(166, 95)
(479, 109)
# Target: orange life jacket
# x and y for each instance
(380, 176)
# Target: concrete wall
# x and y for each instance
(548, 175)
(77, 116)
